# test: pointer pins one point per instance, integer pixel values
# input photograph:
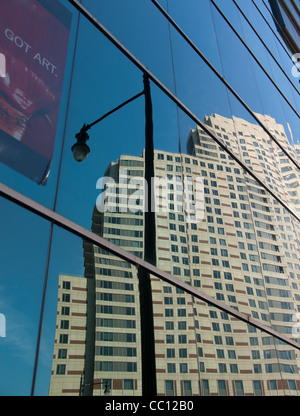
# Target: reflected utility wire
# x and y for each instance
(169, 94)
(266, 47)
(254, 57)
(49, 250)
(174, 79)
(223, 80)
(179, 138)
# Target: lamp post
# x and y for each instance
(146, 305)
(80, 151)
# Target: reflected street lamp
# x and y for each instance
(80, 151)
(82, 386)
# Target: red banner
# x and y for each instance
(34, 37)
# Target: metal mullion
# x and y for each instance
(89, 236)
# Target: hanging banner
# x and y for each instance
(34, 36)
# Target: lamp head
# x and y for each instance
(80, 149)
(106, 389)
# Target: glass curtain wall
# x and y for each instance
(225, 103)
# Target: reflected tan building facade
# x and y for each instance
(70, 338)
(242, 250)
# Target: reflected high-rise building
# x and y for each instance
(242, 249)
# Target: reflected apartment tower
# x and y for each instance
(244, 251)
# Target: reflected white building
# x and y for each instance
(243, 250)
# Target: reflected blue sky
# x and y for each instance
(102, 79)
